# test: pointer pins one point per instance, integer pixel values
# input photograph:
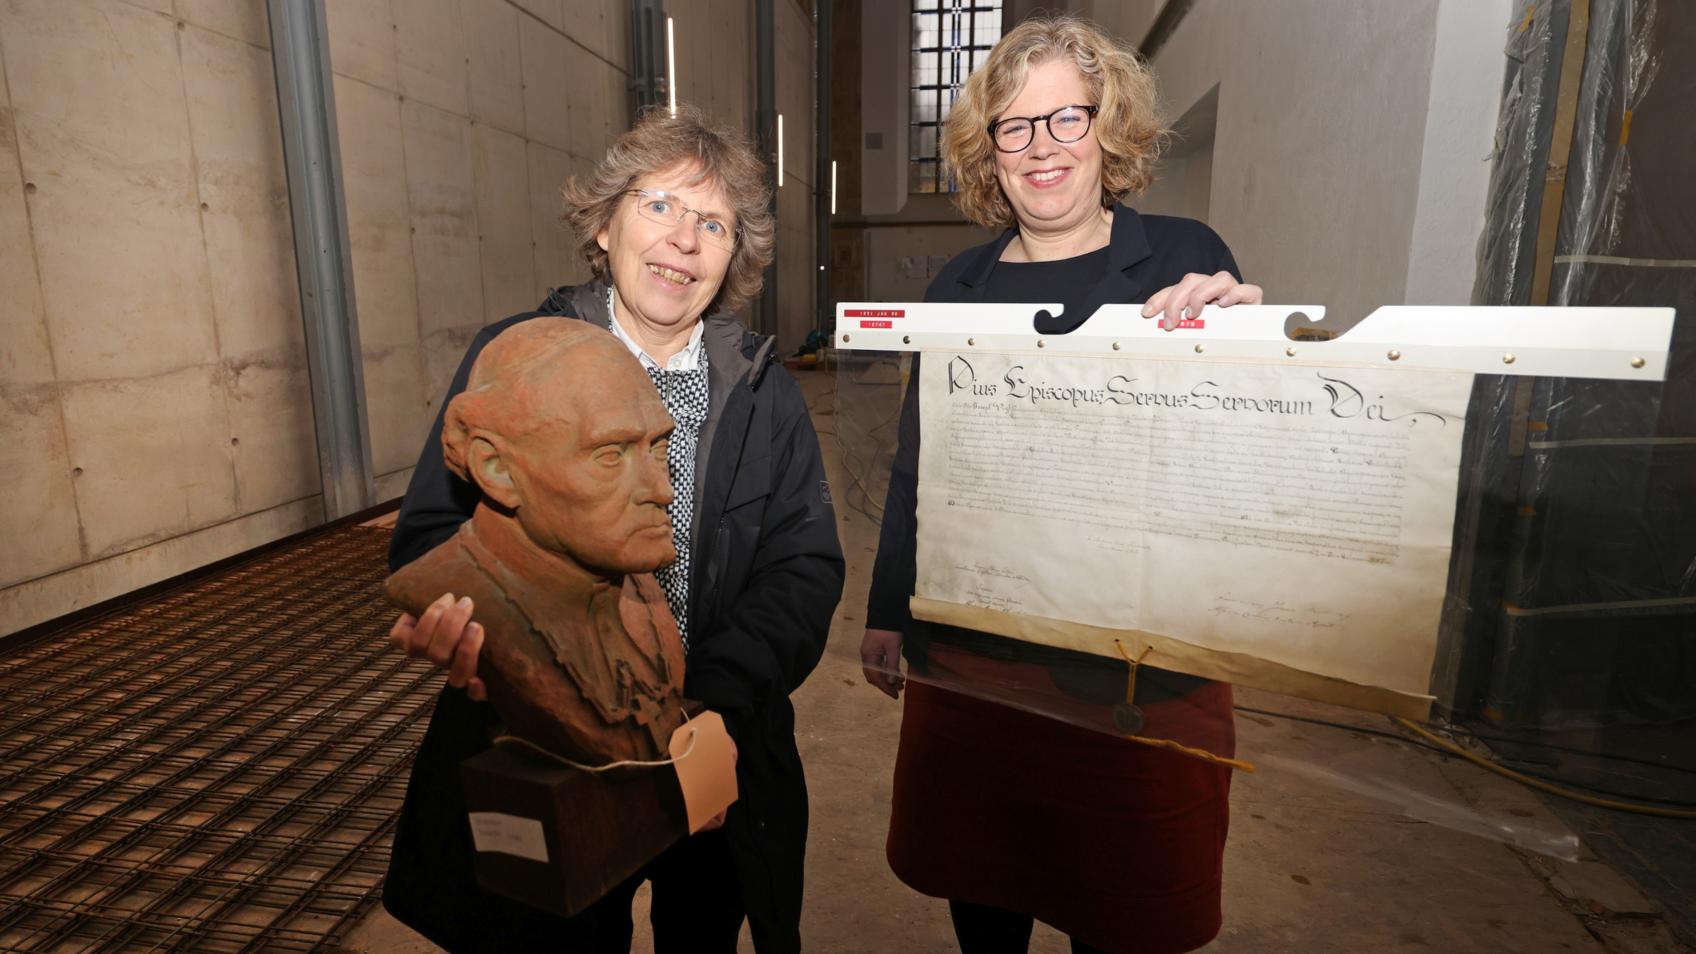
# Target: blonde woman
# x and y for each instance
(1008, 815)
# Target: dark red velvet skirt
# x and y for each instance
(1115, 843)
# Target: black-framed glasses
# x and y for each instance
(657, 205)
(1066, 124)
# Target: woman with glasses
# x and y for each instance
(1008, 815)
(675, 227)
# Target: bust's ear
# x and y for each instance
(490, 472)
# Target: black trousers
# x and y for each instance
(695, 904)
(982, 929)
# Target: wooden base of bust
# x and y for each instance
(558, 838)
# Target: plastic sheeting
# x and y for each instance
(1578, 609)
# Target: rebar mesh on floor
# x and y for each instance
(216, 769)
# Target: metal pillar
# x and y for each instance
(648, 81)
(300, 55)
(822, 178)
(765, 117)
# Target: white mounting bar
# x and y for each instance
(1627, 344)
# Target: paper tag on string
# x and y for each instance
(706, 767)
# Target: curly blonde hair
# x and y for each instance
(660, 142)
(1129, 126)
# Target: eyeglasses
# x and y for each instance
(656, 205)
(1066, 124)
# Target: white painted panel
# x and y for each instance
(1454, 171)
(1320, 133)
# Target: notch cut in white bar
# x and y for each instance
(780, 150)
(671, 65)
(1622, 344)
(833, 187)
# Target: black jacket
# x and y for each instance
(1145, 254)
(767, 575)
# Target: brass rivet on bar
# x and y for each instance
(1638, 362)
(1199, 349)
(1507, 359)
(1395, 355)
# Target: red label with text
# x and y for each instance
(1193, 323)
(875, 313)
(877, 324)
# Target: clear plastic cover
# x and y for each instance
(1581, 613)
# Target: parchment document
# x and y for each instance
(1287, 527)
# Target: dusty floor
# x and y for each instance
(1311, 866)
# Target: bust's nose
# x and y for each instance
(654, 483)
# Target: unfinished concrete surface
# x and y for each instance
(1309, 866)
(153, 375)
(155, 360)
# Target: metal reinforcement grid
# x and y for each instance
(218, 768)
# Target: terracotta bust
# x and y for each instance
(563, 433)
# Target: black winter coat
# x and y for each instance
(768, 572)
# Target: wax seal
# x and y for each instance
(1127, 718)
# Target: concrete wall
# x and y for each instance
(157, 413)
(156, 408)
(1350, 155)
(459, 122)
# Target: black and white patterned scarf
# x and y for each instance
(685, 396)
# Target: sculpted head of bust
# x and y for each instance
(562, 430)
(565, 437)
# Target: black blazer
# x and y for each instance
(1145, 254)
(766, 578)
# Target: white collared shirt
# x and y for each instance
(686, 360)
